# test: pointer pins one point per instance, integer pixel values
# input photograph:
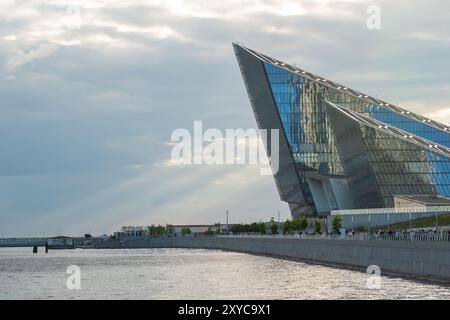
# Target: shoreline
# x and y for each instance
(419, 261)
(423, 261)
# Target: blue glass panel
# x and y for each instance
(299, 103)
(440, 172)
(403, 122)
(398, 166)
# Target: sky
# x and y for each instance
(90, 92)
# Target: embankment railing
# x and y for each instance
(431, 237)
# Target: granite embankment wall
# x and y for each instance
(420, 259)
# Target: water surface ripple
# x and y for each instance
(190, 274)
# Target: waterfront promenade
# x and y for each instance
(425, 259)
(395, 236)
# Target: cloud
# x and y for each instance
(87, 113)
(20, 57)
(432, 37)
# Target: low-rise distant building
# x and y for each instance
(176, 230)
(132, 231)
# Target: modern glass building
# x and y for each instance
(341, 148)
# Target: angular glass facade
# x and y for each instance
(399, 167)
(417, 127)
(299, 103)
(408, 159)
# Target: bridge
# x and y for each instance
(23, 242)
(48, 243)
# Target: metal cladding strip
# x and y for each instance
(344, 89)
(381, 126)
(263, 104)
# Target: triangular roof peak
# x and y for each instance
(390, 130)
(342, 88)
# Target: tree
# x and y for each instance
(298, 224)
(262, 227)
(295, 226)
(274, 228)
(170, 230)
(337, 223)
(287, 225)
(185, 231)
(254, 227)
(317, 226)
(160, 230)
(151, 230)
(303, 224)
(240, 228)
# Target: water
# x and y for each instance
(190, 274)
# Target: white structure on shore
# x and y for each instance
(176, 230)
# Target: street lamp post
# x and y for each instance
(436, 224)
(279, 226)
(389, 223)
(227, 224)
(410, 223)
